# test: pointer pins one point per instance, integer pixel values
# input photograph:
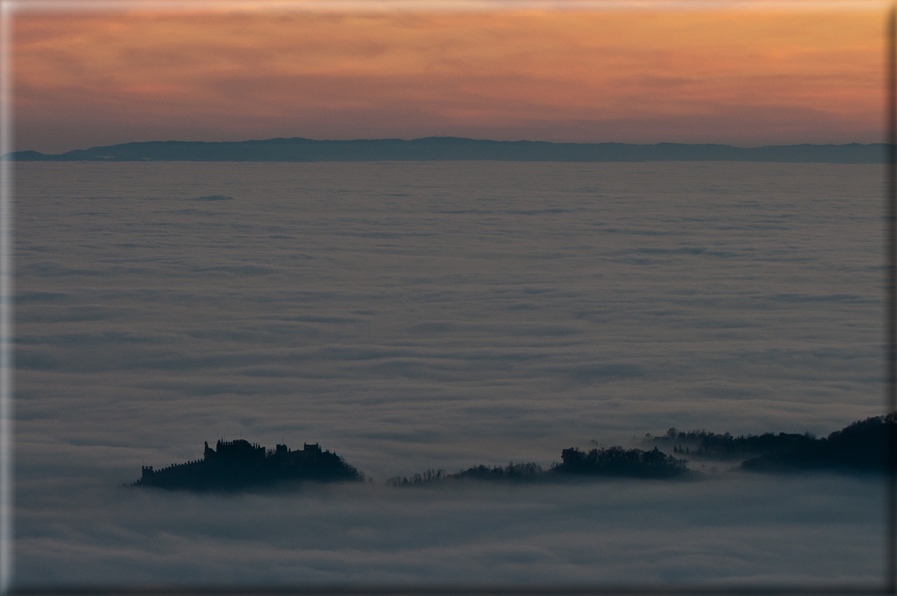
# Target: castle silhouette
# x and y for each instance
(239, 464)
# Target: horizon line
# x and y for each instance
(455, 138)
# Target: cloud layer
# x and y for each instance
(439, 315)
(810, 530)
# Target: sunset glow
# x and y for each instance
(739, 77)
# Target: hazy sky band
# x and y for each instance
(744, 75)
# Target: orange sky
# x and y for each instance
(742, 77)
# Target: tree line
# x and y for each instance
(613, 461)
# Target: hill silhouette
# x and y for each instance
(703, 443)
(862, 446)
(239, 465)
(455, 149)
(512, 472)
(617, 461)
(614, 461)
(859, 447)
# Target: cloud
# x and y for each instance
(213, 198)
(88, 80)
(401, 345)
(728, 529)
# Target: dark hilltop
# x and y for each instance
(456, 149)
(860, 447)
(240, 465)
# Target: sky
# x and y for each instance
(748, 76)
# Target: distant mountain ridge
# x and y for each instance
(457, 149)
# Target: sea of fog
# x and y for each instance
(441, 315)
